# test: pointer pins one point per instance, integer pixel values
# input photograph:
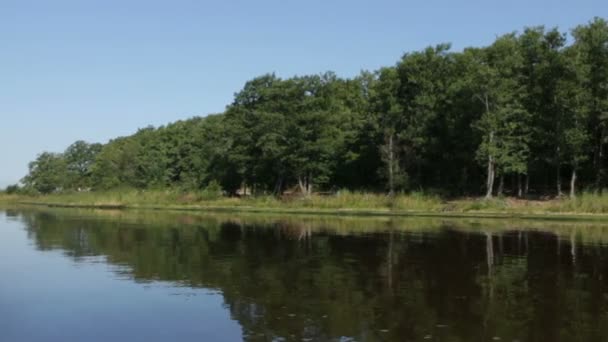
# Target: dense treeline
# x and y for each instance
(523, 115)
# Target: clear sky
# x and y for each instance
(98, 69)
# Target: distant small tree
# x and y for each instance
(46, 173)
(12, 189)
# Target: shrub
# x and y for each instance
(12, 189)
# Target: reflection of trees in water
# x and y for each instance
(301, 280)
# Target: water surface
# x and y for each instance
(73, 275)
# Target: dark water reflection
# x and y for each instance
(146, 276)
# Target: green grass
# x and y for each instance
(584, 203)
(343, 201)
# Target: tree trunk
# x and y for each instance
(519, 189)
(573, 184)
(501, 185)
(527, 185)
(490, 180)
(278, 187)
(309, 184)
(464, 181)
(301, 185)
(558, 172)
(559, 183)
(391, 161)
(599, 162)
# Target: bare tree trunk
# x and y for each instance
(573, 184)
(490, 180)
(558, 172)
(519, 189)
(301, 185)
(278, 188)
(309, 184)
(464, 181)
(491, 167)
(559, 183)
(599, 162)
(527, 185)
(391, 161)
(501, 185)
(491, 171)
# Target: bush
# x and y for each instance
(212, 191)
(12, 189)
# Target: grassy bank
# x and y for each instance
(145, 198)
(351, 202)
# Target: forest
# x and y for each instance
(524, 116)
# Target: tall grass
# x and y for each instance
(175, 197)
(585, 203)
(8, 198)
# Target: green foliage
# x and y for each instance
(80, 157)
(12, 189)
(505, 124)
(47, 173)
(527, 106)
(213, 191)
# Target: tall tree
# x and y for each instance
(390, 118)
(504, 124)
(591, 40)
(47, 173)
(544, 68)
(572, 100)
(79, 158)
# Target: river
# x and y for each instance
(86, 275)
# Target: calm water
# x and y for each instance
(143, 276)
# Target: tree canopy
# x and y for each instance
(529, 111)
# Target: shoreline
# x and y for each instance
(352, 212)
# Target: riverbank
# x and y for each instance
(587, 206)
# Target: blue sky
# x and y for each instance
(98, 69)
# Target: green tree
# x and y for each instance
(389, 115)
(504, 125)
(591, 41)
(423, 95)
(436, 121)
(572, 99)
(12, 189)
(114, 165)
(47, 173)
(79, 158)
(544, 69)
